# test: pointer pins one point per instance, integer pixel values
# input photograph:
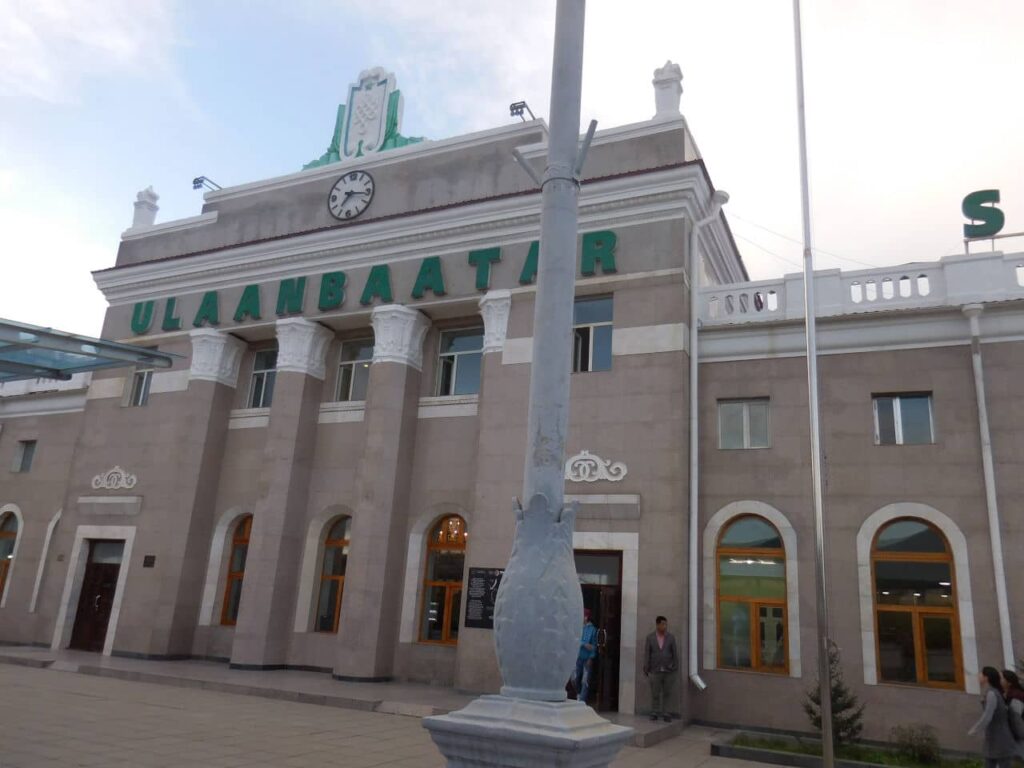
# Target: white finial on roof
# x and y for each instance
(668, 87)
(145, 208)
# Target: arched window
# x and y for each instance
(236, 571)
(8, 537)
(752, 597)
(332, 575)
(442, 583)
(915, 606)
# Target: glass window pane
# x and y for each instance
(896, 662)
(6, 548)
(357, 350)
(234, 597)
(597, 310)
(469, 340)
(886, 421)
(938, 648)
(730, 425)
(453, 615)
(913, 583)
(256, 396)
(106, 552)
(910, 536)
(265, 360)
(734, 648)
(360, 381)
(601, 359)
(915, 416)
(751, 532)
(268, 389)
(467, 374)
(758, 417)
(335, 560)
(445, 566)
(433, 614)
(345, 383)
(327, 606)
(9, 524)
(444, 379)
(340, 529)
(238, 554)
(772, 635)
(751, 576)
(580, 350)
(597, 569)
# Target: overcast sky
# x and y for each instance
(911, 104)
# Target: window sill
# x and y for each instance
(447, 406)
(342, 411)
(438, 644)
(751, 448)
(742, 670)
(248, 418)
(956, 687)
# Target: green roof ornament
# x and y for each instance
(371, 122)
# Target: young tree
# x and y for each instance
(847, 714)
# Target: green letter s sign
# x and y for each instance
(976, 206)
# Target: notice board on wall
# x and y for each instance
(482, 590)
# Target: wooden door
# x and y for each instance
(97, 596)
(600, 574)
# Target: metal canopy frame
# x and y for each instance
(31, 352)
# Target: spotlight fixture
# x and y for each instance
(516, 109)
(201, 181)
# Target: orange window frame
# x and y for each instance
(436, 543)
(240, 538)
(920, 612)
(332, 544)
(752, 603)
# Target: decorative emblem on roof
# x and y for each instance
(370, 122)
(585, 467)
(113, 479)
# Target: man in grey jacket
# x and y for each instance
(661, 662)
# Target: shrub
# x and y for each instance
(847, 715)
(916, 743)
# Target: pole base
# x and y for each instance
(502, 732)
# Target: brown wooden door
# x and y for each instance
(600, 576)
(97, 596)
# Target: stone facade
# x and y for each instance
(207, 450)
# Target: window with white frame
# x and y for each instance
(459, 360)
(592, 334)
(23, 456)
(139, 394)
(904, 419)
(743, 423)
(354, 369)
(264, 371)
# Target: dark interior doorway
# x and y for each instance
(96, 599)
(600, 574)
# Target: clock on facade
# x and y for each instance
(351, 195)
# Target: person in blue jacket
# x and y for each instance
(585, 658)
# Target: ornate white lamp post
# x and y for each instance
(539, 607)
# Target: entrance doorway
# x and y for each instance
(600, 574)
(96, 599)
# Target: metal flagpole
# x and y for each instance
(824, 681)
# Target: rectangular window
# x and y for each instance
(139, 395)
(592, 334)
(903, 419)
(354, 370)
(23, 456)
(459, 361)
(743, 424)
(264, 371)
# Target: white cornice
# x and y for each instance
(419, 150)
(622, 201)
(178, 225)
(616, 134)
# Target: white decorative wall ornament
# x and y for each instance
(302, 347)
(494, 308)
(398, 335)
(586, 467)
(215, 356)
(668, 87)
(114, 479)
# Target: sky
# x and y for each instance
(911, 104)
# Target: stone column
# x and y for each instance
(368, 629)
(278, 529)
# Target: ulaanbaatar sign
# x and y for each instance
(597, 250)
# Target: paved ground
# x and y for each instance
(50, 718)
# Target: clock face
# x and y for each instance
(351, 195)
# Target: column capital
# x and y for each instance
(494, 308)
(302, 347)
(398, 335)
(215, 356)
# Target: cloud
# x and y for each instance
(49, 47)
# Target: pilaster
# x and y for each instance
(216, 356)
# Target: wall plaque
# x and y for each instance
(482, 592)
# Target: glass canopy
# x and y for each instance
(30, 352)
